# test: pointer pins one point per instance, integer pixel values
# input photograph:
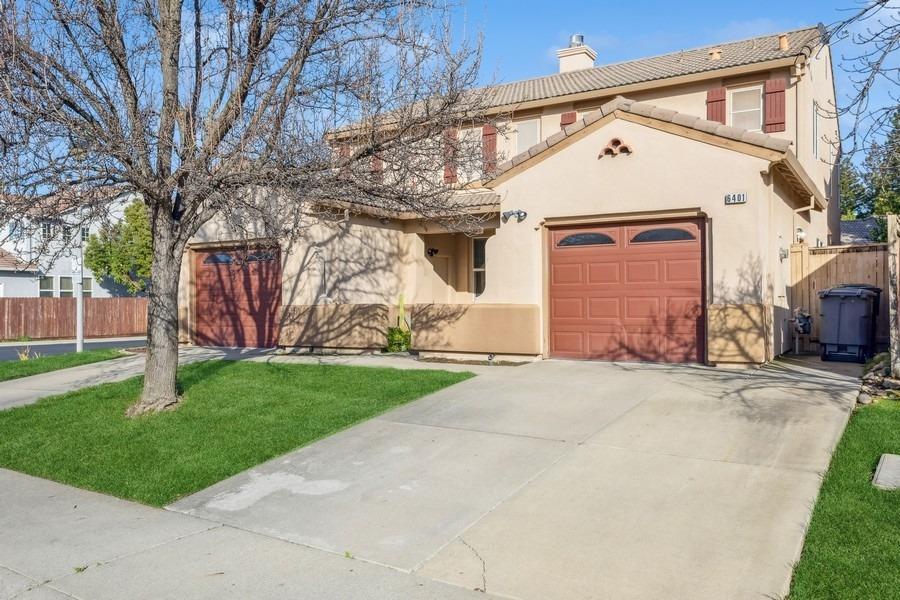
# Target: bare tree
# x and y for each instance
(266, 112)
(871, 29)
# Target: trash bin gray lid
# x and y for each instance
(864, 286)
(847, 291)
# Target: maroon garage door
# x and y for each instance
(237, 298)
(627, 292)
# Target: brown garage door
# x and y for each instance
(237, 298)
(627, 292)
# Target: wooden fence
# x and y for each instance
(48, 318)
(817, 269)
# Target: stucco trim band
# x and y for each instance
(481, 328)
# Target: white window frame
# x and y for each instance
(85, 235)
(475, 269)
(15, 230)
(87, 287)
(46, 231)
(70, 291)
(762, 104)
(537, 125)
(52, 290)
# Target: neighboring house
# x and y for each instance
(16, 277)
(858, 231)
(42, 255)
(647, 213)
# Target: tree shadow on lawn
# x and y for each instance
(235, 415)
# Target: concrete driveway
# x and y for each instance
(568, 480)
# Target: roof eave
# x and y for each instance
(790, 168)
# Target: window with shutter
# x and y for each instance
(528, 133)
(745, 107)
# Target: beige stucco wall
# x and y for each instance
(744, 265)
(477, 328)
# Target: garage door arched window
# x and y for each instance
(585, 239)
(663, 234)
(260, 257)
(219, 258)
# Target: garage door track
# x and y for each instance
(568, 480)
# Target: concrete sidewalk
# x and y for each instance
(37, 343)
(58, 542)
(27, 390)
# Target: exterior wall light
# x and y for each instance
(518, 214)
(801, 235)
(432, 251)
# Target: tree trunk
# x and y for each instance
(160, 390)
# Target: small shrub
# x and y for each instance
(26, 353)
(398, 339)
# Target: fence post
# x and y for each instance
(893, 246)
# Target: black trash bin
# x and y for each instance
(847, 328)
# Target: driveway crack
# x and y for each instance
(483, 587)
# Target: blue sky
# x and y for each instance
(521, 38)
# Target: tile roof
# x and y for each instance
(858, 231)
(11, 262)
(619, 103)
(465, 201)
(685, 62)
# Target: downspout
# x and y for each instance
(769, 284)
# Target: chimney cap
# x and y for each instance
(576, 40)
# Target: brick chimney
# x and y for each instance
(577, 56)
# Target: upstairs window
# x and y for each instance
(746, 108)
(85, 235)
(46, 230)
(16, 230)
(528, 133)
(87, 287)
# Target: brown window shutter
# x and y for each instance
(567, 118)
(715, 105)
(450, 137)
(774, 110)
(377, 169)
(343, 156)
(489, 149)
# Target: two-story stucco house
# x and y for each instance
(645, 212)
(40, 258)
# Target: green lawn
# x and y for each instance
(12, 369)
(853, 546)
(234, 415)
